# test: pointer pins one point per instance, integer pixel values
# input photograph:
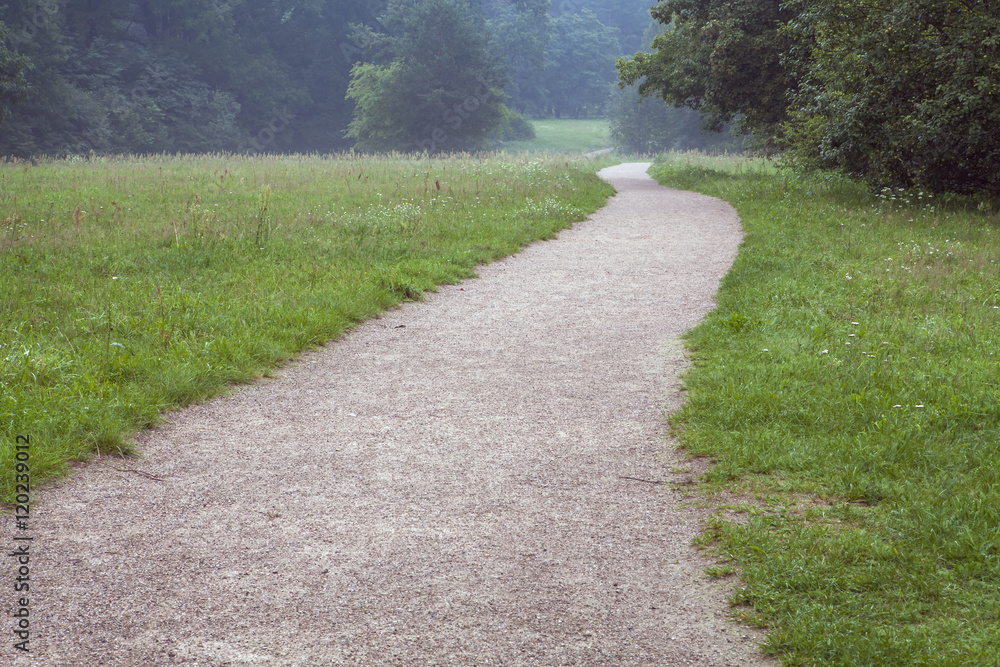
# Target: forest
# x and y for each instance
(190, 76)
(896, 94)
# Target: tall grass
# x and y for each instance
(133, 286)
(848, 387)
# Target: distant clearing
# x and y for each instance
(565, 136)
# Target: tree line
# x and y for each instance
(896, 93)
(145, 76)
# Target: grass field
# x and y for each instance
(848, 387)
(136, 286)
(565, 136)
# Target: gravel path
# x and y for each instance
(465, 481)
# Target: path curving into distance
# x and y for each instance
(465, 481)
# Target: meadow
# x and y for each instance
(847, 388)
(565, 135)
(136, 286)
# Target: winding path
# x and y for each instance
(465, 481)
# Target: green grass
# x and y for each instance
(848, 387)
(136, 286)
(565, 136)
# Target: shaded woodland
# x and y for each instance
(187, 76)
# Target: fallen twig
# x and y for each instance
(140, 472)
(636, 479)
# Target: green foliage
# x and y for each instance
(435, 85)
(647, 126)
(848, 383)
(900, 94)
(117, 76)
(314, 42)
(182, 76)
(519, 128)
(96, 92)
(107, 99)
(136, 286)
(721, 58)
(522, 37)
(581, 65)
(896, 94)
(643, 125)
(379, 108)
(532, 36)
(628, 18)
(13, 83)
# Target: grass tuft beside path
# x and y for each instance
(848, 386)
(136, 286)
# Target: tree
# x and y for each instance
(648, 125)
(523, 35)
(581, 65)
(182, 75)
(723, 58)
(231, 48)
(103, 85)
(13, 67)
(58, 111)
(629, 17)
(315, 42)
(435, 85)
(900, 94)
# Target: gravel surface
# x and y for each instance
(469, 480)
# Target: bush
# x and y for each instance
(520, 128)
